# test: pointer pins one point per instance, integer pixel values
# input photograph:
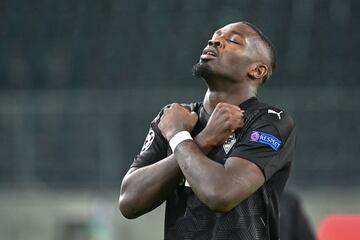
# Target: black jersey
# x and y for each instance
(268, 140)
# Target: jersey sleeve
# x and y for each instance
(269, 143)
(155, 146)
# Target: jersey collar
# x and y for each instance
(248, 103)
(204, 116)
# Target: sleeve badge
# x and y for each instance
(148, 141)
(265, 138)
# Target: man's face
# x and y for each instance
(230, 52)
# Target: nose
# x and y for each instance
(215, 43)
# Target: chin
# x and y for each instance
(201, 70)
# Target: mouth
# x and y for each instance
(208, 53)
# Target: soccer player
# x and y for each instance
(220, 164)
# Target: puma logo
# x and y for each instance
(276, 113)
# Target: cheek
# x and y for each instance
(239, 62)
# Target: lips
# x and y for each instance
(208, 53)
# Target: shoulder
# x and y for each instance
(268, 115)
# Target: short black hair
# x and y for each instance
(269, 46)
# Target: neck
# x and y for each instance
(236, 94)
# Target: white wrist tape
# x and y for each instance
(178, 138)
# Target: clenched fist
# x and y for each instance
(176, 118)
(224, 120)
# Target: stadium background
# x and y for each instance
(81, 80)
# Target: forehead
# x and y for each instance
(240, 28)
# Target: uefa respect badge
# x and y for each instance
(265, 138)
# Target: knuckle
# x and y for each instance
(221, 105)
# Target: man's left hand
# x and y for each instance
(176, 118)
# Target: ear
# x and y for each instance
(258, 71)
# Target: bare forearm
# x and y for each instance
(220, 187)
(205, 177)
(146, 188)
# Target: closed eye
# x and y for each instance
(233, 41)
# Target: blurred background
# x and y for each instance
(81, 81)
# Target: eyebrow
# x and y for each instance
(218, 32)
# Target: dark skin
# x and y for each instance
(238, 65)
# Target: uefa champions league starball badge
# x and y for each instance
(148, 141)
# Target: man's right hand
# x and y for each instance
(225, 119)
(176, 118)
